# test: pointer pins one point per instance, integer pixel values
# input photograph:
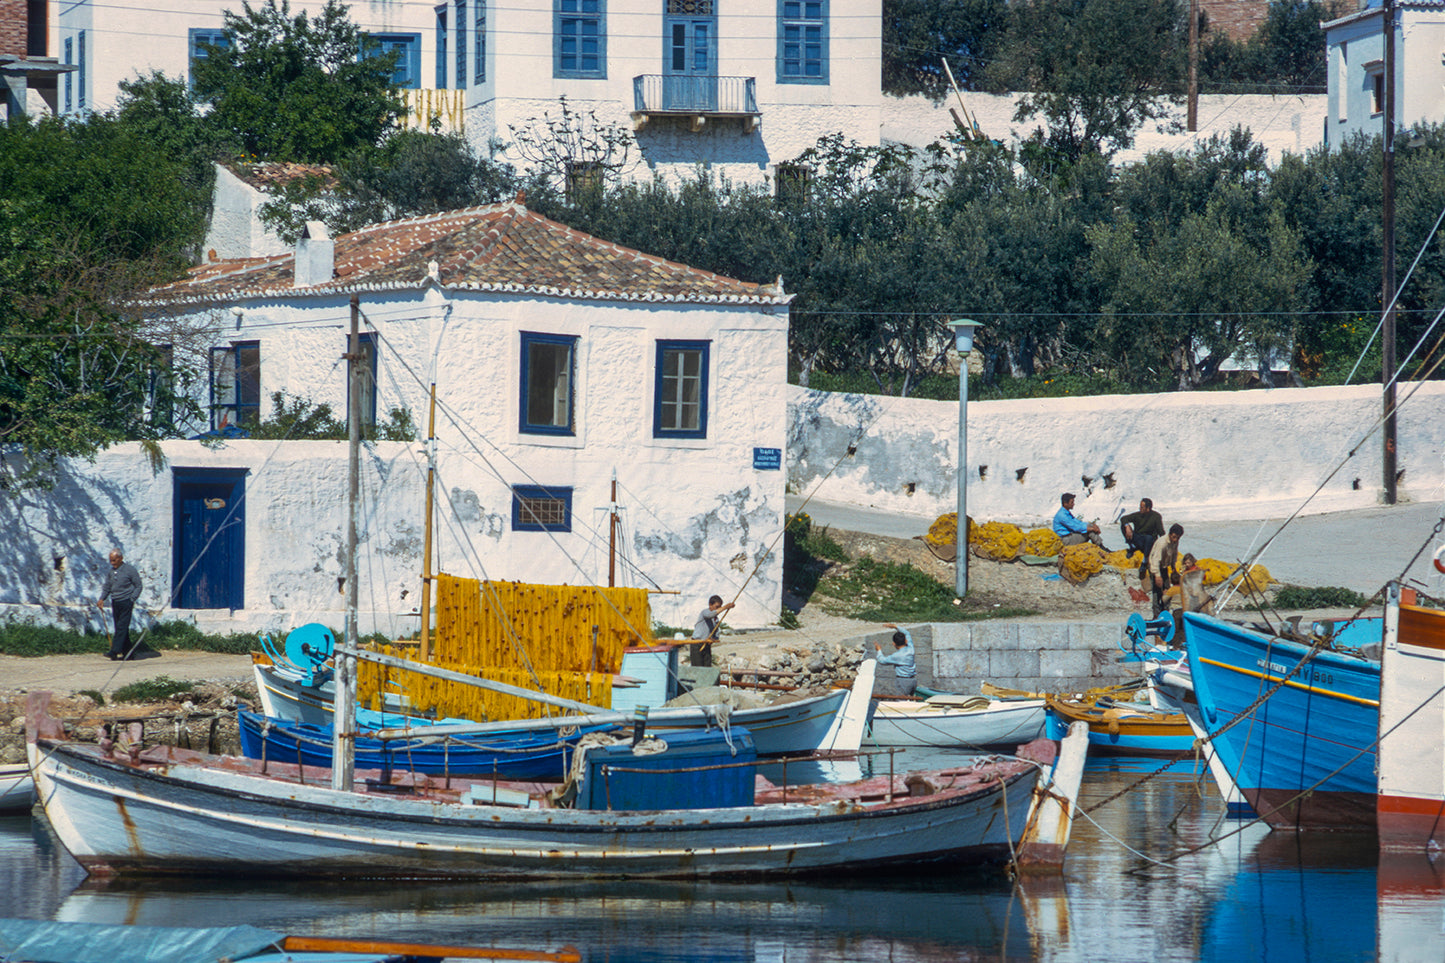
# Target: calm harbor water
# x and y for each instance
(1126, 895)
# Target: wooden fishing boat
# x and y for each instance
(167, 810)
(957, 722)
(1293, 720)
(1120, 727)
(17, 789)
(1410, 796)
(50, 941)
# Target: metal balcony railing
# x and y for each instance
(695, 96)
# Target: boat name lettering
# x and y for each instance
(1315, 675)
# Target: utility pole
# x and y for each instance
(1387, 228)
(1193, 109)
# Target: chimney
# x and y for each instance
(315, 256)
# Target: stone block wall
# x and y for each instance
(1034, 656)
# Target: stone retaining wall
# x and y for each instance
(1035, 656)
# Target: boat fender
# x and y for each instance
(1439, 565)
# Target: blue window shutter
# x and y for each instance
(579, 39)
(479, 42)
(803, 41)
(441, 47)
(80, 76)
(70, 75)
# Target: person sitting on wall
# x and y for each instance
(1071, 529)
(1141, 530)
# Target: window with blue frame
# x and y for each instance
(236, 385)
(80, 74)
(538, 508)
(407, 46)
(679, 408)
(802, 41)
(549, 364)
(579, 42)
(479, 42)
(441, 47)
(461, 44)
(70, 74)
(368, 382)
(201, 40)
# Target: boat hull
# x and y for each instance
(17, 789)
(790, 727)
(1001, 724)
(189, 814)
(1304, 758)
(535, 754)
(1410, 807)
(1126, 732)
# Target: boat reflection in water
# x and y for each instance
(956, 917)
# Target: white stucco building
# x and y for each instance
(733, 86)
(559, 360)
(1357, 69)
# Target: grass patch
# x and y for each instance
(34, 641)
(877, 591)
(94, 694)
(1323, 597)
(160, 689)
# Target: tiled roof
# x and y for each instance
(268, 175)
(500, 247)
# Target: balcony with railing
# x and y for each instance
(696, 97)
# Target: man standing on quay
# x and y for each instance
(122, 587)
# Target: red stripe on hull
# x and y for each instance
(1409, 824)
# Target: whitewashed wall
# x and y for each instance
(1292, 123)
(1199, 455)
(236, 228)
(699, 519)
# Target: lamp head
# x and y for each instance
(963, 330)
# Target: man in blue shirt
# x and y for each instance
(1072, 529)
(901, 659)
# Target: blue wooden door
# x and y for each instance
(689, 71)
(210, 539)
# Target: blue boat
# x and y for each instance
(1304, 757)
(1120, 727)
(524, 754)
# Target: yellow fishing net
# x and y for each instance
(1078, 562)
(1042, 542)
(999, 541)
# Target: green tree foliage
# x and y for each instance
(411, 173)
(294, 87)
(1286, 54)
(1094, 70)
(91, 212)
(301, 419)
(919, 34)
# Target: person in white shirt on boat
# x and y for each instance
(901, 659)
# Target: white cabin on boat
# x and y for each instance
(559, 360)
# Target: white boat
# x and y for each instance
(17, 789)
(1410, 797)
(168, 810)
(952, 721)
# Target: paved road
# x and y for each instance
(1360, 550)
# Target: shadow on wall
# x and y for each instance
(671, 141)
(56, 543)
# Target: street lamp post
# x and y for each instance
(962, 340)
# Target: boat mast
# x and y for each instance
(343, 738)
(426, 571)
(612, 535)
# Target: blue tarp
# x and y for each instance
(44, 941)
